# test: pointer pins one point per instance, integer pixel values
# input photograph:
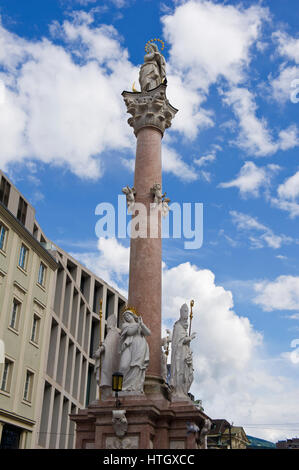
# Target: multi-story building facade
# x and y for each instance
(49, 323)
(288, 444)
(26, 289)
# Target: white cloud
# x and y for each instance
(182, 95)
(212, 39)
(251, 178)
(282, 84)
(288, 192)
(249, 224)
(290, 188)
(280, 294)
(288, 138)
(63, 106)
(111, 262)
(173, 163)
(205, 159)
(287, 46)
(255, 136)
(289, 206)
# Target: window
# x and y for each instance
(23, 257)
(15, 314)
(6, 376)
(35, 329)
(3, 233)
(28, 386)
(42, 274)
(22, 211)
(4, 191)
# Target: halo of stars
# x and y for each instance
(154, 40)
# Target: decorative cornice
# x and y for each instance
(149, 109)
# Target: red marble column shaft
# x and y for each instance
(146, 253)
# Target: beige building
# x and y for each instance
(49, 322)
(26, 289)
(223, 435)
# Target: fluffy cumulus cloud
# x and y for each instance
(62, 105)
(211, 40)
(228, 351)
(251, 178)
(280, 294)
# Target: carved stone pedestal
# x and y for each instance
(153, 423)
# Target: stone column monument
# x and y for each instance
(151, 115)
(154, 415)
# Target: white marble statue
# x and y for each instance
(164, 354)
(119, 422)
(156, 191)
(134, 351)
(130, 195)
(203, 434)
(153, 71)
(107, 358)
(165, 206)
(181, 356)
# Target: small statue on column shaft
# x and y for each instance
(134, 351)
(181, 356)
(130, 195)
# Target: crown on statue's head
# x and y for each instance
(151, 41)
(129, 308)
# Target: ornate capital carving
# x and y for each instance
(149, 109)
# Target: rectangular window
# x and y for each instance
(6, 376)
(15, 315)
(4, 191)
(35, 329)
(23, 257)
(3, 234)
(42, 274)
(22, 211)
(28, 386)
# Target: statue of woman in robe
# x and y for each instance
(153, 71)
(134, 351)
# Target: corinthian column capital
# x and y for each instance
(149, 109)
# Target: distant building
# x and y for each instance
(225, 436)
(257, 443)
(288, 444)
(49, 322)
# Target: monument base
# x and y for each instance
(153, 423)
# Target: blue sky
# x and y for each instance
(233, 146)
